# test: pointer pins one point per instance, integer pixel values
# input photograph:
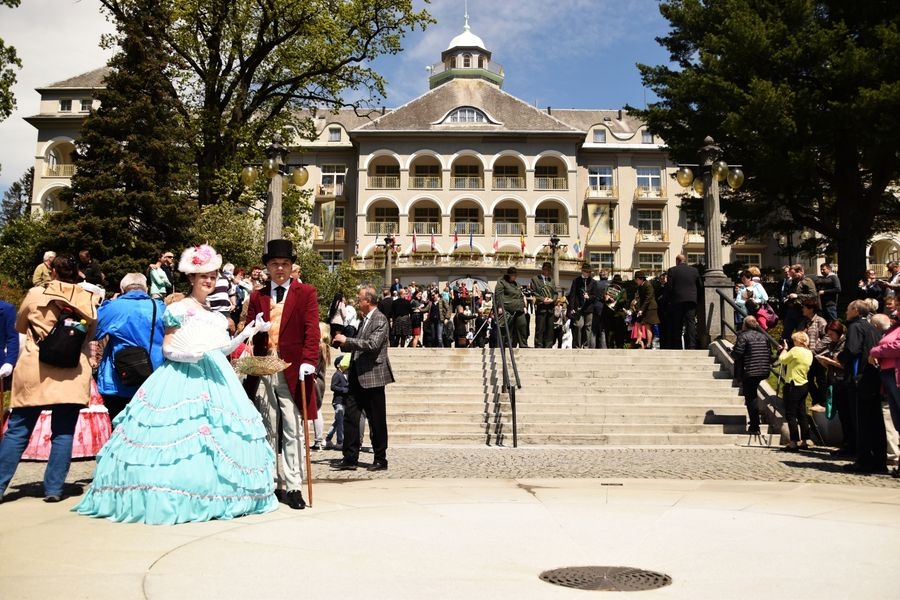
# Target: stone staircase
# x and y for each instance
(568, 397)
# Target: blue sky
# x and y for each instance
(563, 54)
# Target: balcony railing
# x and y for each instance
(551, 228)
(649, 192)
(467, 183)
(466, 227)
(340, 234)
(651, 237)
(429, 182)
(551, 183)
(382, 227)
(694, 238)
(330, 190)
(384, 182)
(508, 229)
(59, 170)
(749, 241)
(424, 227)
(509, 183)
(601, 191)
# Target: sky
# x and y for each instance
(562, 54)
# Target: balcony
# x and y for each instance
(651, 239)
(750, 243)
(509, 183)
(551, 228)
(467, 183)
(649, 195)
(340, 234)
(601, 192)
(384, 182)
(382, 227)
(59, 170)
(509, 229)
(694, 239)
(428, 182)
(424, 227)
(606, 239)
(551, 183)
(330, 190)
(466, 227)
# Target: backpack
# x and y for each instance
(62, 346)
(770, 315)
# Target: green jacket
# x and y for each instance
(509, 295)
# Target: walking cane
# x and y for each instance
(306, 442)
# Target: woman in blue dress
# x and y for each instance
(190, 446)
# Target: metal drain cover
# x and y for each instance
(606, 579)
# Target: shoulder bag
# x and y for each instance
(133, 363)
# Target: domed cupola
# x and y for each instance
(465, 58)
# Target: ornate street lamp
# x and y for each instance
(786, 241)
(554, 247)
(714, 170)
(272, 168)
(388, 255)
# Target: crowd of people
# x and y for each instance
(190, 440)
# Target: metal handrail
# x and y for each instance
(500, 313)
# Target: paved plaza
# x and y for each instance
(454, 522)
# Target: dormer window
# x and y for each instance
(86, 104)
(646, 137)
(466, 114)
(599, 136)
(334, 134)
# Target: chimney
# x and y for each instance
(382, 110)
(621, 113)
(549, 112)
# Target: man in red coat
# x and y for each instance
(291, 308)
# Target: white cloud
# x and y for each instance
(56, 39)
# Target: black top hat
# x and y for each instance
(512, 271)
(546, 265)
(587, 267)
(279, 249)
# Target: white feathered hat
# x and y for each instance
(200, 259)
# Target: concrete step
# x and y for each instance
(598, 396)
(505, 439)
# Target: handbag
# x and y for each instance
(62, 346)
(132, 363)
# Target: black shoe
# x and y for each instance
(753, 432)
(294, 499)
(864, 469)
(379, 466)
(345, 465)
(896, 473)
(52, 499)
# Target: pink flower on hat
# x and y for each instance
(202, 254)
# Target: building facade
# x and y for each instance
(467, 180)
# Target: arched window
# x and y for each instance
(467, 60)
(466, 114)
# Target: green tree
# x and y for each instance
(234, 232)
(9, 61)
(17, 198)
(22, 246)
(129, 198)
(805, 95)
(243, 66)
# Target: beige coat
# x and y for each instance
(39, 384)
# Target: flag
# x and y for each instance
(455, 240)
(496, 242)
(577, 248)
(522, 242)
(414, 242)
(356, 248)
(471, 246)
(432, 240)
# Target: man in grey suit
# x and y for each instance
(370, 370)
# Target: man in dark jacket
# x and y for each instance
(829, 289)
(751, 366)
(799, 289)
(583, 293)
(863, 383)
(683, 290)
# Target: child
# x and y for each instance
(341, 388)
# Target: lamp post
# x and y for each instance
(276, 152)
(786, 241)
(714, 170)
(554, 247)
(388, 255)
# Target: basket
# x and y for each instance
(259, 366)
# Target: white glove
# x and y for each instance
(262, 326)
(181, 356)
(248, 332)
(5, 370)
(306, 369)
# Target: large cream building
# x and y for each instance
(469, 180)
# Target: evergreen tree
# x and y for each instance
(17, 199)
(805, 95)
(129, 197)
